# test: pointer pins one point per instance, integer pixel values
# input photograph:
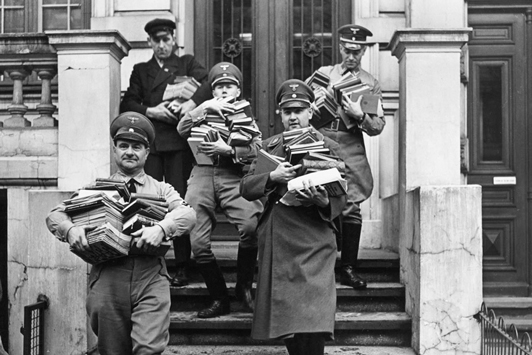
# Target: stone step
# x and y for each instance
(374, 265)
(509, 306)
(378, 297)
(362, 328)
(281, 350)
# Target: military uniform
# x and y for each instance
(215, 185)
(296, 292)
(353, 152)
(170, 158)
(129, 298)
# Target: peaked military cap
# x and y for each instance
(353, 36)
(225, 72)
(160, 24)
(133, 126)
(294, 93)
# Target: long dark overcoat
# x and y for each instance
(296, 290)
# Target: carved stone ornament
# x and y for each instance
(312, 47)
(232, 48)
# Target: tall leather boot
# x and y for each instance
(215, 282)
(245, 270)
(182, 257)
(350, 244)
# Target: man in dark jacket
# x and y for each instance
(170, 156)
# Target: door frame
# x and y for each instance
(518, 7)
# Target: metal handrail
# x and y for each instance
(497, 338)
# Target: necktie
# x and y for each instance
(131, 186)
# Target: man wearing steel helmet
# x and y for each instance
(170, 159)
(296, 293)
(353, 45)
(215, 185)
(129, 298)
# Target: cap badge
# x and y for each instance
(294, 96)
(294, 86)
(224, 67)
(354, 30)
(133, 119)
(131, 130)
(224, 74)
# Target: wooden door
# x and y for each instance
(499, 134)
(270, 41)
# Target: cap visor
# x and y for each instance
(226, 80)
(131, 136)
(295, 103)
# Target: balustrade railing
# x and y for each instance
(20, 56)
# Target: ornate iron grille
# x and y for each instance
(233, 37)
(314, 39)
(497, 338)
(33, 330)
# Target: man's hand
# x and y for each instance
(77, 237)
(284, 172)
(215, 148)
(352, 108)
(219, 106)
(150, 238)
(162, 113)
(186, 107)
(313, 195)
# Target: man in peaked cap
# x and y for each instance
(353, 45)
(217, 185)
(296, 297)
(170, 157)
(129, 298)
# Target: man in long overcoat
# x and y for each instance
(296, 293)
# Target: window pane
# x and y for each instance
(490, 86)
(14, 2)
(14, 20)
(76, 18)
(54, 2)
(54, 19)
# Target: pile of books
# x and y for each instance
(182, 89)
(303, 147)
(235, 128)
(351, 86)
(115, 220)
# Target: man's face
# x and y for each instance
(351, 57)
(295, 117)
(130, 156)
(162, 43)
(226, 89)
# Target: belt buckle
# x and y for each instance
(335, 124)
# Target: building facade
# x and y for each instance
(456, 78)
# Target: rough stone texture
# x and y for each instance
(441, 266)
(278, 350)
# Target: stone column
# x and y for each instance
(17, 108)
(439, 220)
(89, 97)
(46, 108)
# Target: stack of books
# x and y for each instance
(325, 102)
(198, 135)
(240, 124)
(182, 89)
(115, 221)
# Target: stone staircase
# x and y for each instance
(369, 322)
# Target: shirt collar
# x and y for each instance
(140, 178)
(345, 70)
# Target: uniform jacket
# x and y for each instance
(296, 290)
(352, 147)
(146, 88)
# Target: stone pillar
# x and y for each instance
(439, 221)
(89, 98)
(46, 108)
(17, 108)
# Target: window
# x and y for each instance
(18, 16)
